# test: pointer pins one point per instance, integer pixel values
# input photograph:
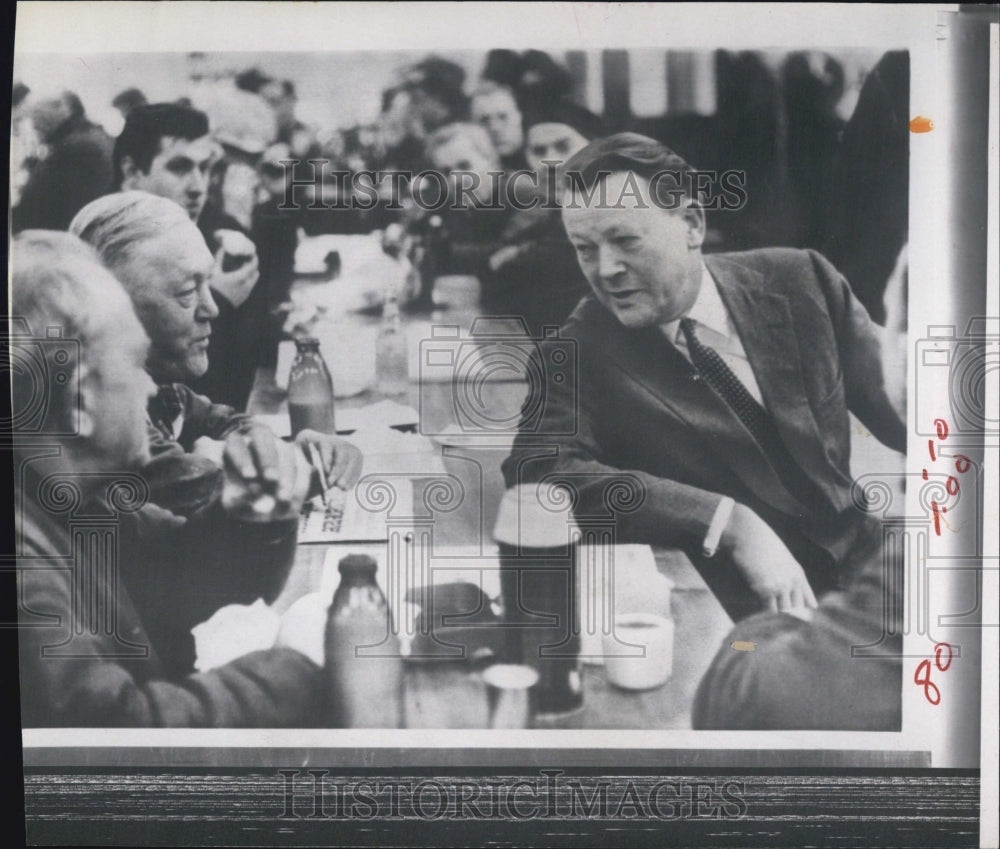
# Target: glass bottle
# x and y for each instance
(363, 664)
(391, 364)
(310, 390)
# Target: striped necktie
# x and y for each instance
(728, 386)
(754, 417)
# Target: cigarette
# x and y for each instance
(317, 464)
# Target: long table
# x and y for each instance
(452, 694)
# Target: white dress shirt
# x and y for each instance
(715, 329)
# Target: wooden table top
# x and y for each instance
(452, 694)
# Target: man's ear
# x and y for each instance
(131, 173)
(694, 217)
(86, 401)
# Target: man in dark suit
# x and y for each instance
(718, 386)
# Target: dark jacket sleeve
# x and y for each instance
(557, 440)
(204, 418)
(86, 681)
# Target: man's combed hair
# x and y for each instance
(146, 125)
(118, 224)
(643, 156)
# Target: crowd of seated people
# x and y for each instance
(173, 274)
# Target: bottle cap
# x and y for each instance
(307, 343)
(358, 564)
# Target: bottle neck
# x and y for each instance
(390, 312)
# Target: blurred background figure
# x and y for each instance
(536, 272)
(26, 149)
(475, 215)
(867, 223)
(813, 84)
(429, 95)
(555, 133)
(536, 79)
(75, 167)
(127, 100)
(494, 107)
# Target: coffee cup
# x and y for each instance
(651, 664)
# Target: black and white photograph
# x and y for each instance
(485, 424)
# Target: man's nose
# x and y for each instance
(609, 264)
(197, 184)
(207, 308)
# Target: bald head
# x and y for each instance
(161, 258)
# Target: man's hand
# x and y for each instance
(235, 284)
(341, 460)
(266, 478)
(766, 563)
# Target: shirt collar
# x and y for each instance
(708, 310)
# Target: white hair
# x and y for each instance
(116, 224)
(57, 281)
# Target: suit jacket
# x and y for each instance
(636, 406)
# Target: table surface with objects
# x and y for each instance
(448, 446)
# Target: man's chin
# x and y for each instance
(632, 317)
(195, 368)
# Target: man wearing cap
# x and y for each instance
(717, 388)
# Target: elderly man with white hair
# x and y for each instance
(87, 656)
(156, 252)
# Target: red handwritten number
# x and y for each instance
(962, 463)
(941, 426)
(922, 674)
(951, 485)
(922, 678)
(936, 511)
(930, 450)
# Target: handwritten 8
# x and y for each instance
(962, 465)
(922, 675)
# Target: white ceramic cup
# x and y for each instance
(652, 663)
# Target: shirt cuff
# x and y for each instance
(719, 523)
